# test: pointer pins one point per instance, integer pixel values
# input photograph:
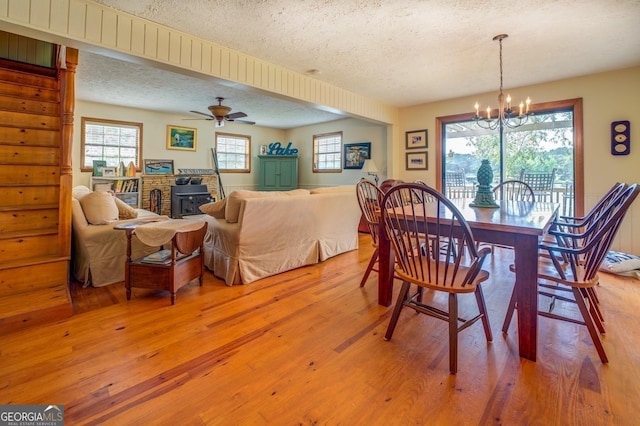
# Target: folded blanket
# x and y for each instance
(159, 233)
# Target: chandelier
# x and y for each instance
(507, 116)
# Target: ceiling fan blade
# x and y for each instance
(235, 115)
(211, 117)
(243, 121)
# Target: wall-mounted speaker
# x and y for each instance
(620, 138)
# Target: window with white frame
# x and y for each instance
(327, 152)
(112, 141)
(233, 152)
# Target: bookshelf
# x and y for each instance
(127, 188)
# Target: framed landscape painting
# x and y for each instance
(355, 154)
(158, 167)
(183, 138)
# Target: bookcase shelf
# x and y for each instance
(126, 188)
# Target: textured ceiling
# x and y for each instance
(113, 81)
(400, 52)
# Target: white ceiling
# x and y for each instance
(400, 52)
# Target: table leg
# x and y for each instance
(526, 291)
(127, 266)
(385, 269)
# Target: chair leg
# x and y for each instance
(593, 298)
(402, 297)
(594, 309)
(482, 307)
(372, 261)
(588, 321)
(594, 294)
(509, 315)
(453, 333)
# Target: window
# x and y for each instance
(234, 152)
(112, 141)
(551, 142)
(327, 152)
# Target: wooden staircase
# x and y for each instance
(35, 180)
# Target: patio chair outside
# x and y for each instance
(456, 184)
(540, 183)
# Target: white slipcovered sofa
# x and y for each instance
(258, 234)
(98, 251)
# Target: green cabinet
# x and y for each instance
(278, 172)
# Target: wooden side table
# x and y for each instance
(185, 264)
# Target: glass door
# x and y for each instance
(542, 148)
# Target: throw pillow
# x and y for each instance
(215, 209)
(99, 208)
(125, 211)
(80, 191)
(617, 262)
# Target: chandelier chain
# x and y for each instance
(501, 66)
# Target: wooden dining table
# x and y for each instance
(518, 224)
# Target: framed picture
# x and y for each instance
(355, 154)
(98, 166)
(158, 167)
(183, 138)
(417, 139)
(417, 161)
(109, 171)
(264, 149)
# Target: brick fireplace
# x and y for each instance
(164, 184)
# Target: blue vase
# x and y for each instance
(485, 174)
(484, 195)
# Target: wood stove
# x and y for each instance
(186, 199)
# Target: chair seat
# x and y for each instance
(548, 271)
(435, 283)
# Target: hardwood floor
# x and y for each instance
(306, 347)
